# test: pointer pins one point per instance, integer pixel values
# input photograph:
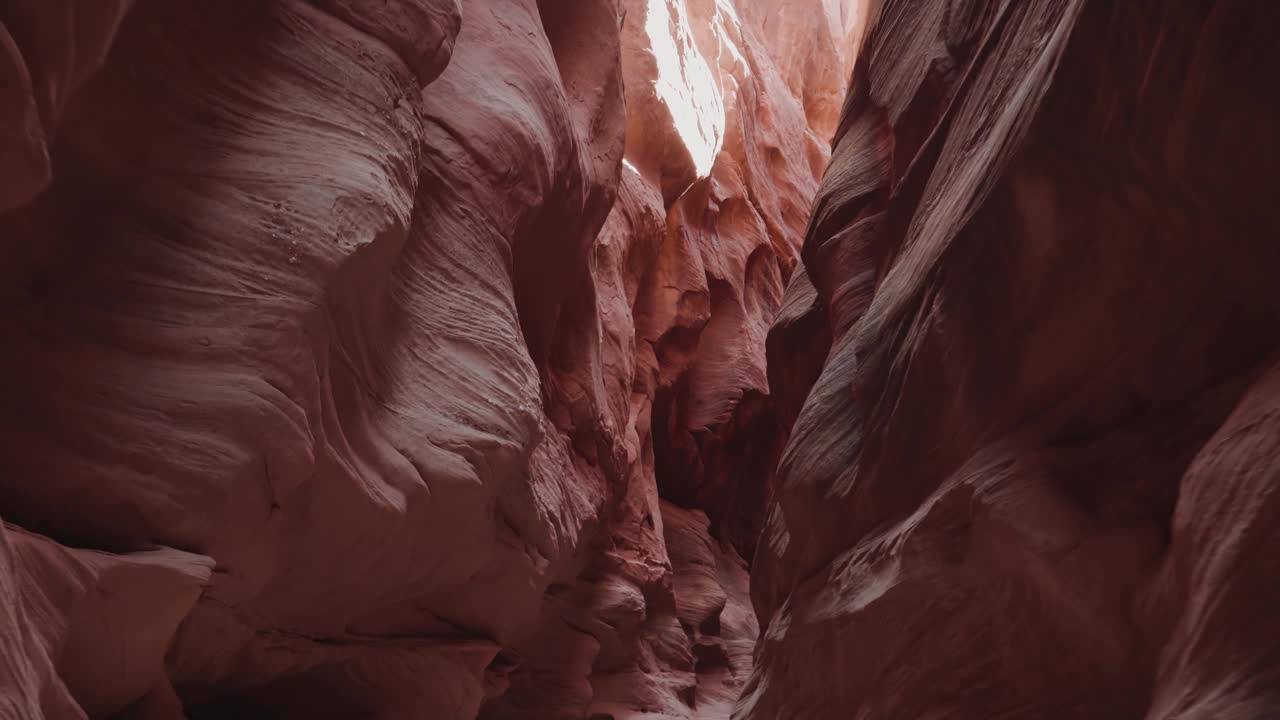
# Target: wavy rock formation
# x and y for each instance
(423, 358)
(1033, 471)
(394, 359)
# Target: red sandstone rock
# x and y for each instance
(408, 359)
(1036, 476)
(360, 305)
(688, 272)
(85, 632)
(48, 48)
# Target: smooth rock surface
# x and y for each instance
(428, 358)
(426, 371)
(1035, 475)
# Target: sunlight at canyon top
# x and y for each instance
(685, 83)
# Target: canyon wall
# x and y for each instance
(1035, 464)
(399, 359)
(430, 358)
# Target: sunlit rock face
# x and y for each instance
(689, 270)
(1034, 470)
(394, 359)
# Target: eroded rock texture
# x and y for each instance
(394, 359)
(1033, 471)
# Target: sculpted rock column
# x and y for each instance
(365, 348)
(1035, 476)
(657, 372)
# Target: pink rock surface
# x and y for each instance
(1035, 476)
(358, 313)
(688, 274)
(421, 358)
(84, 633)
(48, 48)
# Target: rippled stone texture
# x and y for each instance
(1037, 473)
(337, 335)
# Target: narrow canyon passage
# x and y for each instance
(625, 359)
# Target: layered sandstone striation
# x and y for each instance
(424, 358)
(1032, 366)
(394, 359)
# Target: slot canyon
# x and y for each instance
(627, 359)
